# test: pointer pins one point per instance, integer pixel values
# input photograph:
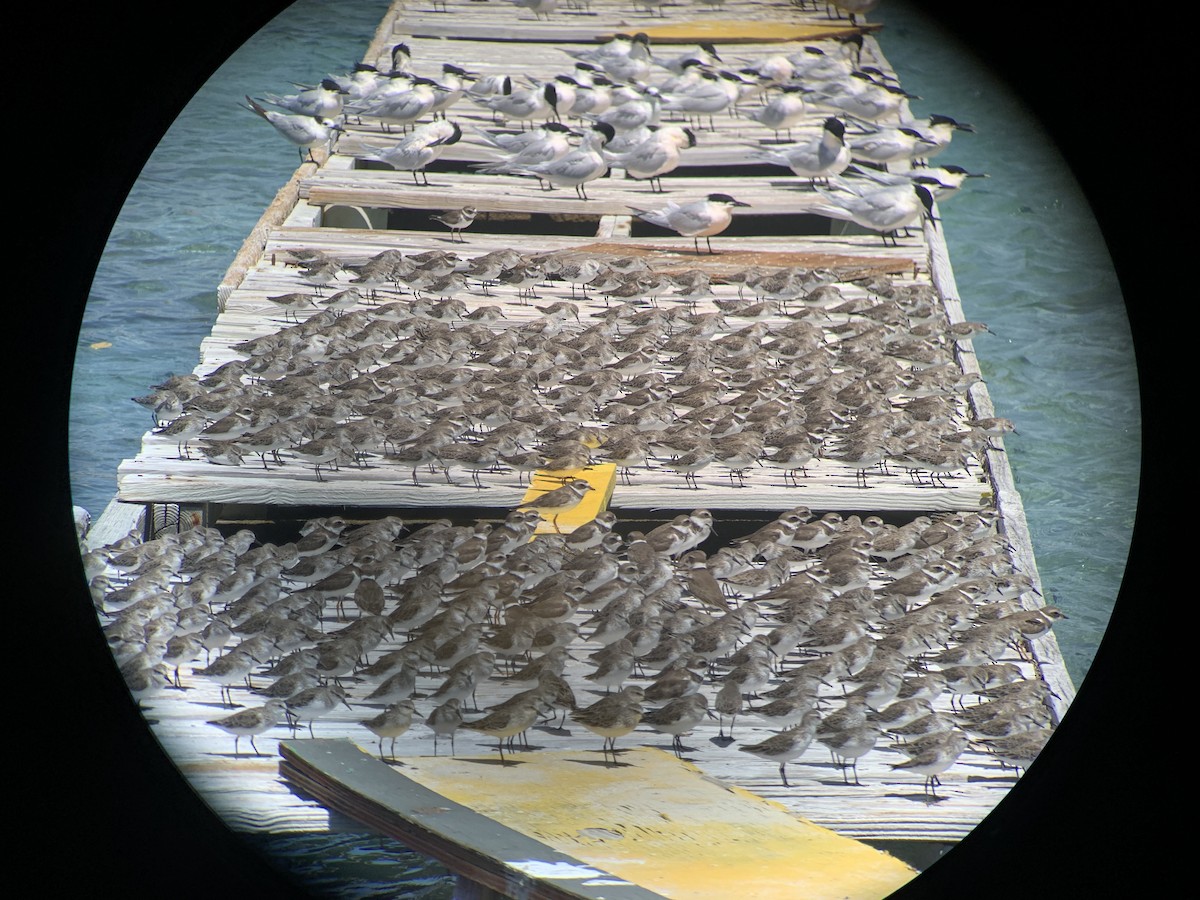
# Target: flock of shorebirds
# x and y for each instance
(836, 630)
(447, 361)
(798, 370)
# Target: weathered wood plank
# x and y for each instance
(463, 840)
(1051, 665)
(640, 821)
(116, 521)
(833, 487)
(512, 193)
(598, 20)
(850, 255)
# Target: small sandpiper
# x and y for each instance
(934, 758)
(1020, 749)
(787, 745)
(613, 716)
(391, 723)
(678, 717)
(233, 668)
(444, 721)
(508, 722)
(457, 220)
(850, 745)
(312, 703)
(557, 501)
(250, 722)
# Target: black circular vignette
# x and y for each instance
(105, 797)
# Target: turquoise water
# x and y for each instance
(353, 866)
(1030, 261)
(1028, 257)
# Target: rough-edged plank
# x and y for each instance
(640, 819)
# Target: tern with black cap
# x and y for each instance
(698, 219)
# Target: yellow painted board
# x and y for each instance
(659, 822)
(602, 477)
(744, 31)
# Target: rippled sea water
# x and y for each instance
(1028, 257)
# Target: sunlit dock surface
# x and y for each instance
(350, 212)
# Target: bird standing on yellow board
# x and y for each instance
(613, 716)
(507, 722)
(556, 502)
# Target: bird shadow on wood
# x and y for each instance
(243, 755)
(825, 765)
(993, 779)
(605, 763)
(216, 705)
(927, 798)
(492, 762)
(670, 748)
(830, 782)
(722, 740)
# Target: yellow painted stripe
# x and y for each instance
(726, 31)
(661, 823)
(602, 477)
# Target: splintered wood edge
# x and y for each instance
(487, 852)
(847, 267)
(747, 32)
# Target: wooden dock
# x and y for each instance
(351, 212)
